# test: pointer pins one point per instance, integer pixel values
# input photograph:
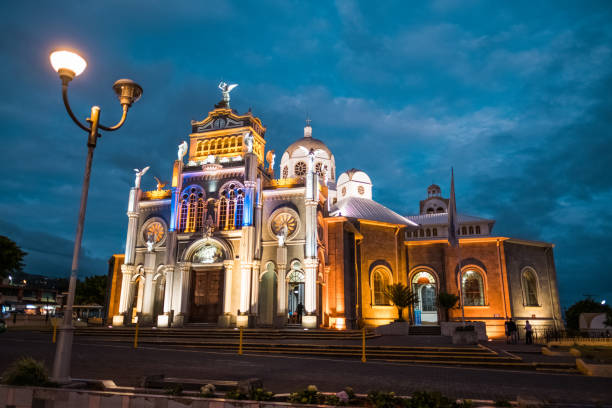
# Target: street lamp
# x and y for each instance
(69, 65)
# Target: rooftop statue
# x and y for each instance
(182, 150)
(226, 89)
(139, 174)
(311, 159)
(248, 142)
(160, 184)
(270, 157)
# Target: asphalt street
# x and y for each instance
(93, 358)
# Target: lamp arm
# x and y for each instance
(119, 124)
(67, 105)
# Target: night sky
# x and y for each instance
(517, 98)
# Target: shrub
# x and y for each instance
(502, 403)
(176, 389)
(258, 394)
(310, 395)
(425, 399)
(382, 399)
(26, 371)
(208, 391)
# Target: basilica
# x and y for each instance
(230, 242)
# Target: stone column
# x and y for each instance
(149, 295)
(281, 288)
(180, 297)
(165, 319)
(132, 234)
(127, 272)
(254, 307)
(310, 293)
(245, 292)
(225, 320)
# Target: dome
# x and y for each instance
(294, 162)
(434, 191)
(307, 143)
(354, 183)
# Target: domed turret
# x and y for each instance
(433, 191)
(354, 183)
(294, 162)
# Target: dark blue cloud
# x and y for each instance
(515, 97)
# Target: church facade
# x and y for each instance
(230, 244)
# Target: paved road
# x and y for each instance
(92, 358)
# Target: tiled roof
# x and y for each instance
(365, 209)
(442, 219)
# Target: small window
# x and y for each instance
(285, 172)
(471, 230)
(409, 234)
(300, 168)
(434, 232)
(463, 231)
(440, 210)
(530, 287)
(361, 190)
(473, 288)
(430, 210)
(380, 281)
(478, 229)
(421, 233)
(428, 232)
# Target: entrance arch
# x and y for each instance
(295, 292)
(267, 295)
(424, 284)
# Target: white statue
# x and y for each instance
(311, 160)
(226, 89)
(182, 150)
(270, 157)
(282, 237)
(150, 243)
(248, 142)
(139, 174)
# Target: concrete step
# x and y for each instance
(425, 330)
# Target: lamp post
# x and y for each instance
(68, 65)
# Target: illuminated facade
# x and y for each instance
(228, 244)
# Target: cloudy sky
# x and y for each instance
(516, 97)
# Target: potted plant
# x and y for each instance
(402, 297)
(447, 301)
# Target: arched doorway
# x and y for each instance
(159, 283)
(267, 296)
(426, 310)
(295, 293)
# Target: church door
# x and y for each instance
(206, 296)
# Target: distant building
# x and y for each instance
(228, 243)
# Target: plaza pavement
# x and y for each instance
(95, 358)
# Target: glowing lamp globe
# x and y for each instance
(67, 63)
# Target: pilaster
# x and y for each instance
(133, 213)
(180, 296)
(310, 293)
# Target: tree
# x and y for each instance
(588, 305)
(401, 296)
(91, 291)
(11, 257)
(447, 301)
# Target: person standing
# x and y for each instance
(300, 310)
(528, 333)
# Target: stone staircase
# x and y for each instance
(424, 330)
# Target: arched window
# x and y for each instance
(285, 172)
(239, 210)
(478, 229)
(231, 209)
(440, 210)
(471, 230)
(200, 213)
(421, 233)
(434, 232)
(191, 215)
(530, 287)
(222, 212)
(430, 210)
(428, 232)
(183, 216)
(380, 281)
(409, 234)
(463, 231)
(472, 286)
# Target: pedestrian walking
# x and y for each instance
(507, 331)
(300, 310)
(528, 333)
(513, 331)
